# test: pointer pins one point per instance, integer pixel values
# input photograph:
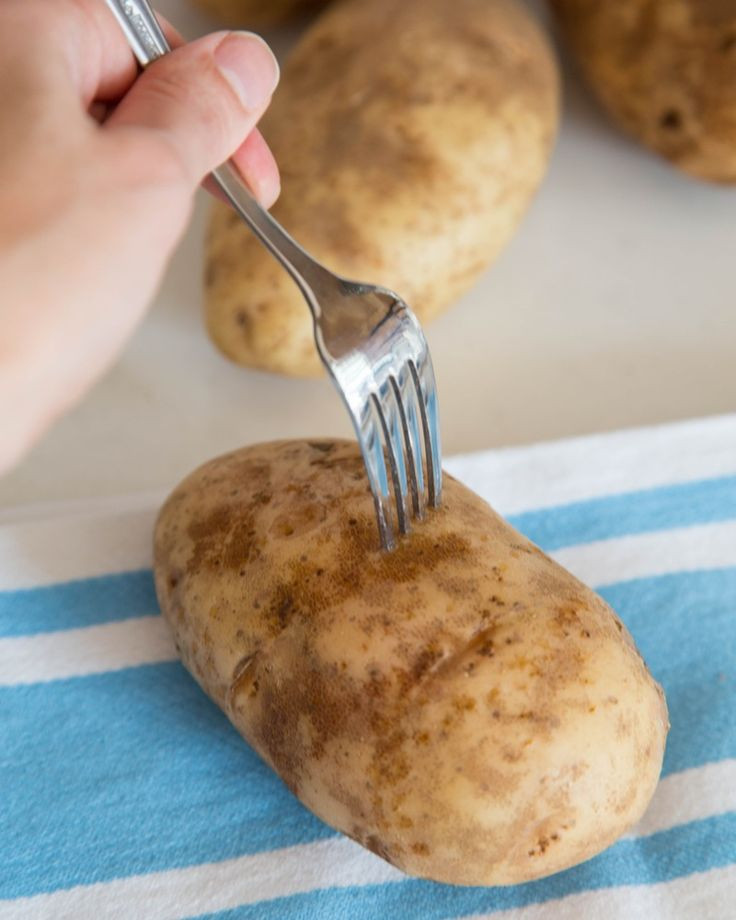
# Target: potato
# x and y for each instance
(666, 71)
(258, 12)
(462, 706)
(411, 135)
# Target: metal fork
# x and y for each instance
(367, 337)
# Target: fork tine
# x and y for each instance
(406, 403)
(371, 447)
(426, 388)
(389, 425)
(430, 388)
(393, 415)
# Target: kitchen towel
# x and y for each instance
(125, 793)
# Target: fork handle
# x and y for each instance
(148, 43)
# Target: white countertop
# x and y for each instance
(612, 307)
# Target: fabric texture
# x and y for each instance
(124, 792)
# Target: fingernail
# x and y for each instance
(249, 66)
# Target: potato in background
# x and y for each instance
(665, 70)
(411, 136)
(248, 13)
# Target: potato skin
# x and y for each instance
(462, 706)
(411, 135)
(258, 12)
(665, 70)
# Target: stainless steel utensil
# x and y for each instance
(368, 339)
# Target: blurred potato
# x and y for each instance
(665, 70)
(249, 13)
(411, 137)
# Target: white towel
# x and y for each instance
(125, 793)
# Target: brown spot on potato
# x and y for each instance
(299, 717)
(671, 120)
(425, 661)
(420, 849)
(375, 845)
(210, 272)
(464, 703)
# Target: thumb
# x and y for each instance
(202, 100)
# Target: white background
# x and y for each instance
(613, 306)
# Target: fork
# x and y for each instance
(368, 339)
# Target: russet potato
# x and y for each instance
(411, 136)
(251, 13)
(665, 70)
(462, 706)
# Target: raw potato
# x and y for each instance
(666, 71)
(411, 135)
(462, 706)
(258, 12)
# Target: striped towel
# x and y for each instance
(125, 793)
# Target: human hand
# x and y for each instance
(98, 171)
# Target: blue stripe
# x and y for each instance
(702, 502)
(684, 625)
(153, 776)
(670, 854)
(91, 601)
(130, 772)
(74, 604)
